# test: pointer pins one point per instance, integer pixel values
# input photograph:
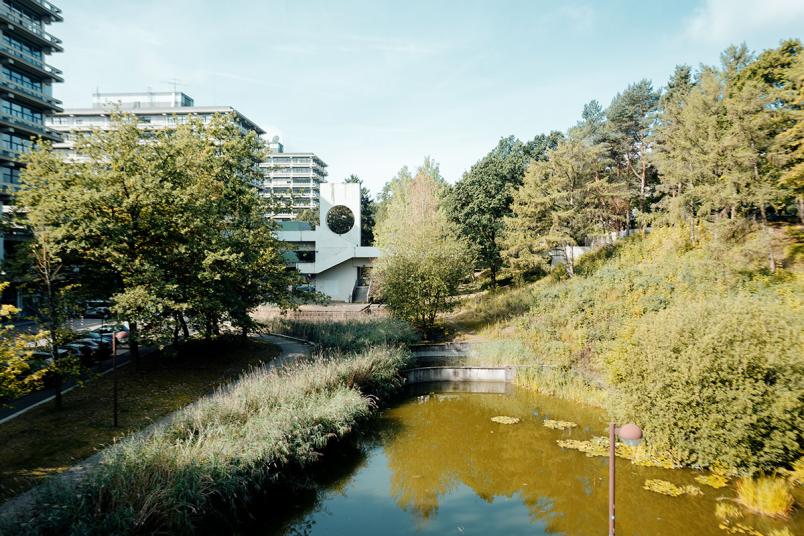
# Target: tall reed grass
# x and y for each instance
(214, 454)
(348, 335)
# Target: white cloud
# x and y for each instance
(719, 21)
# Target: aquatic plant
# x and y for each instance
(766, 495)
(640, 455)
(668, 488)
(730, 517)
(559, 425)
(501, 419)
(713, 480)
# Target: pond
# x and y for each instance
(437, 464)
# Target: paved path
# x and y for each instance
(291, 350)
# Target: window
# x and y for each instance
(22, 79)
(301, 170)
(22, 112)
(23, 46)
(301, 160)
(15, 143)
(9, 175)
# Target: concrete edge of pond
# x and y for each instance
(460, 374)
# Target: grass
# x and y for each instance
(349, 335)
(214, 454)
(47, 441)
(767, 496)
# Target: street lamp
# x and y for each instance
(631, 435)
(116, 335)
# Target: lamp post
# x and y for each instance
(631, 435)
(114, 379)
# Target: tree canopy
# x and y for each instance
(174, 216)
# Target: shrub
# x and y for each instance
(768, 496)
(718, 382)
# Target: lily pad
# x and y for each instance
(559, 425)
(501, 419)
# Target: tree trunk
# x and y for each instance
(175, 330)
(800, 203)
(692, 229)
(642, 181)
(570, 264)
(185, 330)
(771, 257)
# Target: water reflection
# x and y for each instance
(438, 465)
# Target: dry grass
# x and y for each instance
(46, 441)
(767, 496)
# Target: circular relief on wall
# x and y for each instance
(340, 219)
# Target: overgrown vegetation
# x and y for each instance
(767, 496)
(216, 452)
(699, 345)
(349, 335)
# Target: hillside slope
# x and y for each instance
(701, 345)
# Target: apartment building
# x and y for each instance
(26, 99)
(154, 111)
(293, 180)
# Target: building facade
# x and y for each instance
(331, 256)
(26, 96)
(293, 180)
(154, 111)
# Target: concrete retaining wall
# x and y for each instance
(460, 374)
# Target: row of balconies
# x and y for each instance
(37, 96)
(28, 125)
(31, 62)
(51, 11)
(31, 28)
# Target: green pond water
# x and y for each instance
(437, 464)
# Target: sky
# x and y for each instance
(373, 85)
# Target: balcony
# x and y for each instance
(30, 63)
(30, 28)
(45, 8)
(29, 126)
(30, 95)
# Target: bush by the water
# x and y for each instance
(698, 344)
(349, 335)
(219, 450)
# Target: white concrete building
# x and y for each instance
(331, 256)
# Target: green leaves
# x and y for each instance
(174, 216)
(422, 264)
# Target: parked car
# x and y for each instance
(87, 351)
(98, 349)
(100, 338)
(120, 329)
